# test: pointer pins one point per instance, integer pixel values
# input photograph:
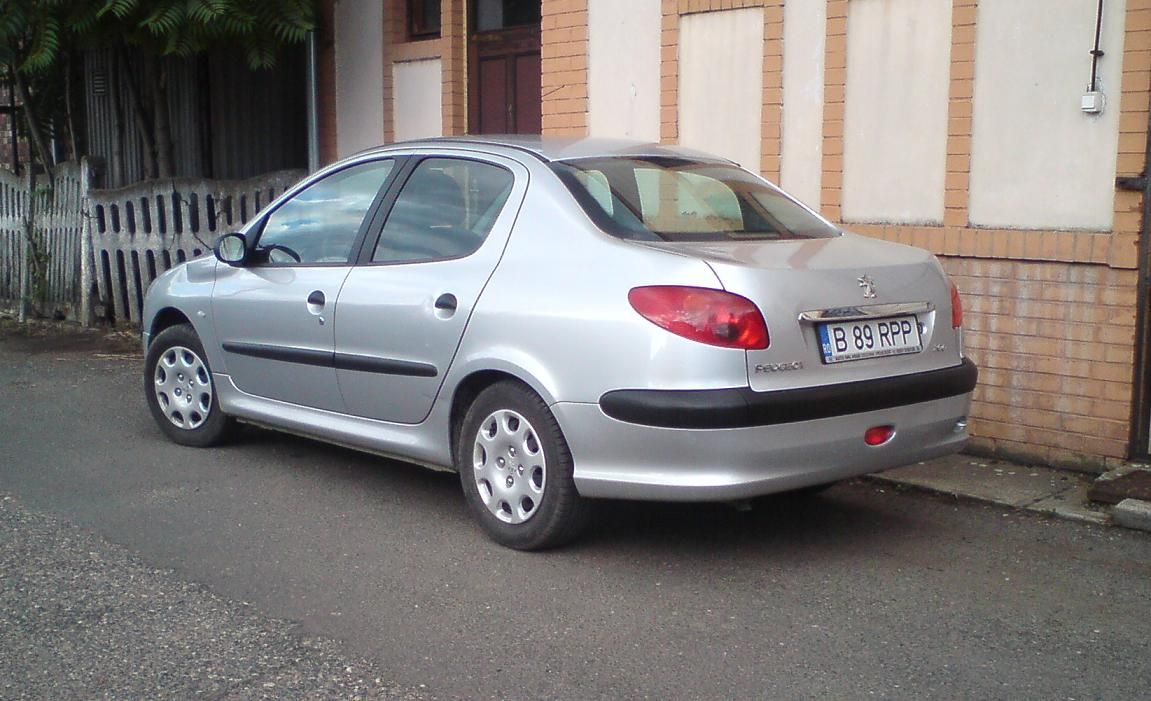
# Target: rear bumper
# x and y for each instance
(742, 407)
(622, 460)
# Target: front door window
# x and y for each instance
(319, 225)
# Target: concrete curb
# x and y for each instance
(1041, 490)
(1133, 513)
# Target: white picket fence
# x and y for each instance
(14, 195)
(48, 220)
(102, 248)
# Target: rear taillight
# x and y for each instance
(956, 308)
(713, 317)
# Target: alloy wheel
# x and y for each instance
(510, 466)
(183, 387)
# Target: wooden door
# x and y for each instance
(504, 75)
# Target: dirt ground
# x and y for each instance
(37, 336)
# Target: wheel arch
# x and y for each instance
(165, 319)
(469, 388)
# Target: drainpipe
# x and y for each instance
(313, 99)
(1140, 445)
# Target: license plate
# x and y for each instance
(873, 338)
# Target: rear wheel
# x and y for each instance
(813, 490)
(180, 391)
(516, 470)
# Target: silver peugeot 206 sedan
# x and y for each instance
(561, 321)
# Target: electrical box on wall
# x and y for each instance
(1092, 102)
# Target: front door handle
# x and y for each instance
(316, 305)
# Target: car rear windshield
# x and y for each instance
(677, 199)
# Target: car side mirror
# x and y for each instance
(231, 249)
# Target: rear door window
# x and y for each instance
(445, 210)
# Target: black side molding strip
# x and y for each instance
(303, 356)
(339, 361)
(384, 366)
(741, 407)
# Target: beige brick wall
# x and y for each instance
(771, 133)
(563, 56)
(1054, 343)
(454, 46)
(450, 48)
(1050, 314)
(771, 147)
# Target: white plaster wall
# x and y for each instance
(623, 68)
(895, 121)
(418, 99)
(804, 42)
(1037, 161)
(359, 30)
(721, 83)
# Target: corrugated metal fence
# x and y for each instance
(100, 249)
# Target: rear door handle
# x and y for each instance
(316, 298)
(446, 302)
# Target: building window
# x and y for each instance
(492, 15)
(423, 19)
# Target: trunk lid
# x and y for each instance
(803, 285)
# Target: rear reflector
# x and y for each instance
(714, 317)
(878, 435)
(956, 308)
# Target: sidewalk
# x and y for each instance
(1043, 490)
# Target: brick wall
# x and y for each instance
(455, 46)
(1054, 342)
(563, 58)
(450, 47)
(771, 133)
(1050, 314)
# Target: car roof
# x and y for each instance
(552, 149)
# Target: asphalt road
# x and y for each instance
(330, 574)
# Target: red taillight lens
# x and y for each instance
(956, 308)
(878, 435)
(713, 317)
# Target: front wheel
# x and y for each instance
(180, 392)
(516, 470)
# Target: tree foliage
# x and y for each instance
(35, 33)
(39, 37)
(187, 27)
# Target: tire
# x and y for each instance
(516, 470)
(180, 391)
(812, 491)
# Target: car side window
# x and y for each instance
(445, 210)
(319, 225)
